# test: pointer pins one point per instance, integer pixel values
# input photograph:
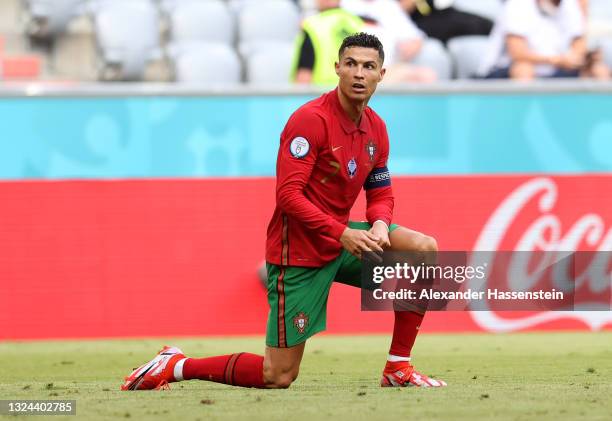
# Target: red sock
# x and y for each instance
(241, 369)
(405, 331)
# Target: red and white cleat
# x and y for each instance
(403, 374)
(157, 373)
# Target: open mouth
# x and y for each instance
(358, 86)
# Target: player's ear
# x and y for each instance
(383, 70)
(337, 67)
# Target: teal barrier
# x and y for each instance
(182, 136)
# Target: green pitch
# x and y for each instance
(504, 377)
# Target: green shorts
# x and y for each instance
(299, 310)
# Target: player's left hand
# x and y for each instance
(381, 232)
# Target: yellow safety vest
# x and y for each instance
(326, 30)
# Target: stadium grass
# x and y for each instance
(535, 376)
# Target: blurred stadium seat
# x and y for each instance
(267, 20)
(209, 21)
(207, 64)
(49, 18)
(270, 64)
(128, 36)
(486, 8)
(434, 55)
(606, 48)
(600, 9)
(118, 39)
(466, 53)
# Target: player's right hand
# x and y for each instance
(357, 241)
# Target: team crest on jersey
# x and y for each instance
(300, 321)
(352, 167)
(371, 149)
(299, 147)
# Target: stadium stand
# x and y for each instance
(466, 53)
(270, 64)
(88, 40)
(488, 8)
(207, 64)
(434, 55)
(606, 47)
(209, 21)
(267, 20)
(124, 54)
(50, 18)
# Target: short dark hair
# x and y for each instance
(362, 39)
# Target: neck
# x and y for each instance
(353, 109)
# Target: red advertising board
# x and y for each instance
(180, 257)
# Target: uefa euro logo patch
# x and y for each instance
(299, 147)
(300, 321)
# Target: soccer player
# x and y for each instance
(330, 149)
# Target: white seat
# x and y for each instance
(434, 55)
(267, 20)
(486, 8)
(601, 9)
(51, 17)
(466, 53)
(270, 64)
(209, 21)
(128, 35)
(204, 63)
(606, 48)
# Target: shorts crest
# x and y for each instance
(300, 321)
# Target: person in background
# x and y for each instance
(541, 38)
(401, 38)
(599, 69)
(317, 45)
(444, 23)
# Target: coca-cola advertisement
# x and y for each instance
(77, 247)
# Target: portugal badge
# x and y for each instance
(300, 321)
(371, 149)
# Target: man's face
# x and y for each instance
(360, 70)
(327, 4)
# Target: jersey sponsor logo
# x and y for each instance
(299, 147)
(352, 167)
(371, 149)
(335, 148)
(300, 321)
(379, 177)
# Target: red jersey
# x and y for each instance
(324, 161)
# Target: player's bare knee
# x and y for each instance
(284, 382)
(280, 381)
(428, 244)
(280, 378)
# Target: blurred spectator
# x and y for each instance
(541, 38)
(318, 44)
(400, 37)
(444, 23)
(599, 69)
